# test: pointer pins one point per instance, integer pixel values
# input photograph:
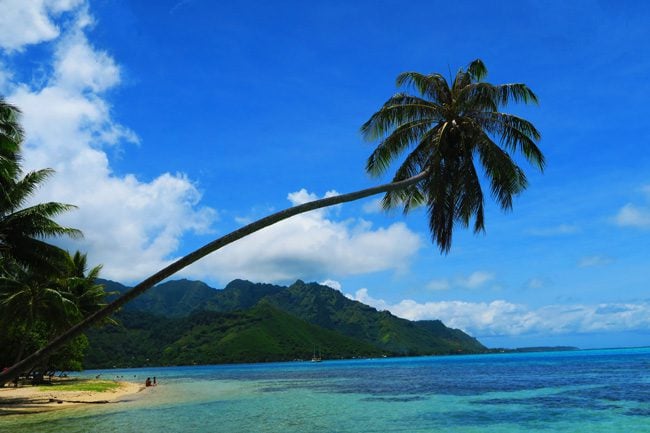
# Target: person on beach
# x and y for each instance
(154, 381)
(147, 382)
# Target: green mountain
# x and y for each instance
(260, 334)
(170, 299)
(330, 309)
(188, 322)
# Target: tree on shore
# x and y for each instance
(43, 289)
(23, 229)
(37, 305)
(448, 126)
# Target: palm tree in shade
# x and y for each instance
(446, 127)
(43, 304)
(29, 297)
(80, 283)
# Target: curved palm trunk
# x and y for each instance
(168, 271)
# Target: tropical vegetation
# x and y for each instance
(43, 289)
(448, 126)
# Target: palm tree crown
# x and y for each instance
(24, 228)
(446, 128)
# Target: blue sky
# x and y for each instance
(172, 122)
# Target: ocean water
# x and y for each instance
(583, 391)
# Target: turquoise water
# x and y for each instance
(583, 391)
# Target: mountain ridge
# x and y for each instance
(256, 322)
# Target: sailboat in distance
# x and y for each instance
(315, 358)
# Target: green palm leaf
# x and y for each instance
(449, 128)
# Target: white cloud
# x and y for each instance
(25, 22)
(303, 196)
(503, 318)
(633, 216)
(472, 281)
(79, 66)
(132, 227)
(331, 283)
(535, 283)
(436, 285)
(5, 79)
(561, 229)
(646, 190)
(311, 246)
(373, 206)
(591, 261)
(475, 279)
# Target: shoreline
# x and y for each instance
(29, 399)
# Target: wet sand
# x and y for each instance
(34, 399)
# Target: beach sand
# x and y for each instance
(33, 399)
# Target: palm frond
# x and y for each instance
(432, 86)
(388, 149)
(506, 178)
(399, 109)
(515, 133)
(477, 70)
(17, 193)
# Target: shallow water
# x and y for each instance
(583, 391)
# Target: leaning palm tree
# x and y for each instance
(448, 126)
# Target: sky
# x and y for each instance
(171, 123)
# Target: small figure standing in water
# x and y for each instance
(154, 381)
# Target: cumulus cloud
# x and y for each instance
(131, 226)
(373, 206)
(312, 246)
(503, 318)
(30, 22)
(331, 283)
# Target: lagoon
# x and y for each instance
(578, 391)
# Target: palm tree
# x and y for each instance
(43, 304)
(11, 135)
(29, 297)
(23, 229)
(81, 285)
(448, 126)
(27, 261)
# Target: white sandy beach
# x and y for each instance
(32, 399)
